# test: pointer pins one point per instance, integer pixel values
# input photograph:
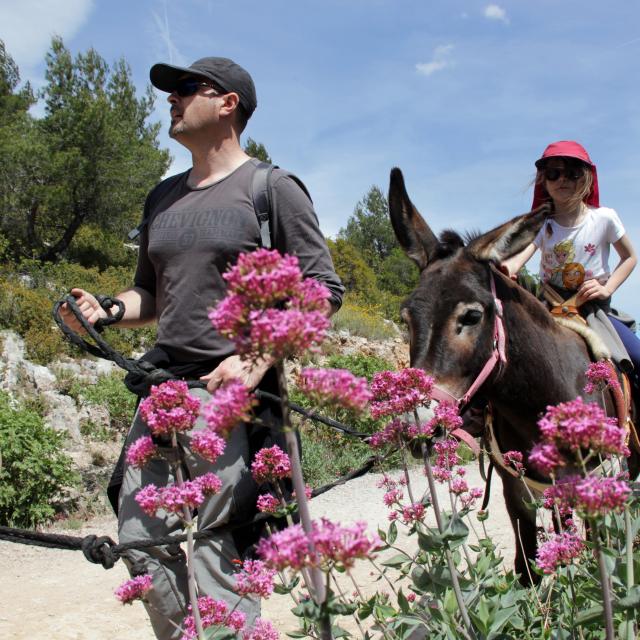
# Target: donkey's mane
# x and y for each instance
(449, 242)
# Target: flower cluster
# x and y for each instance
(334, 544)
(174, 498)
(269, 308)
(398, 431)
(335, 388)
(169, 407)
(255, 578)
(445, 417)
(212, 613)
(514, 459)
(571, 427)
(600, 375)
(261, 630)
(400, 392)
(590, 496)
(559, 550)
(141, 452)
(266, 503)
(207, 444)
(134, 589)
(230, 404)
(270, 465)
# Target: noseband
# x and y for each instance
(498, 356)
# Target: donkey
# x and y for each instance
(454, 325)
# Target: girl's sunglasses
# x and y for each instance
(570, 173)
(190, 86)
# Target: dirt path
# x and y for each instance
(57, 595)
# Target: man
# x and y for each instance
(195, 225)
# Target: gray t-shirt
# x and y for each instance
(194, 235)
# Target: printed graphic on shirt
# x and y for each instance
(560, 267)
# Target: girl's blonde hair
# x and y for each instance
(582, 192)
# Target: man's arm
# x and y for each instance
(140, 308)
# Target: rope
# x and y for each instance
(103, 550)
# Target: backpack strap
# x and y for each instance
(262, 203)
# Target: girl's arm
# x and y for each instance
(515, 263)
(592, 289)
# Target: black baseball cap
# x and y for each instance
(224, 72)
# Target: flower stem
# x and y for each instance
(452, 568)
(629, 573)
(319, 593)
(604, 581)
(191, 576)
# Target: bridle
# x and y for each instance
(498, 357)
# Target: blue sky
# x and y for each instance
(462, 95)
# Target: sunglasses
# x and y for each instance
(570, 173)
(190, 86)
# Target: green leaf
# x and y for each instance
(396, 561)
(393, 532)
(403, 603)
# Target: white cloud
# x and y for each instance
(440, 60)
(164, 32)
(496, 12)
(26, 27)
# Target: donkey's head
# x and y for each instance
(450, 314)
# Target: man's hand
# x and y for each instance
(250, 373)
(592, 290)
(89, 307)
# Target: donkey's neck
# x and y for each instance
(545, 362)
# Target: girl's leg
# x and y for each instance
(632, 345)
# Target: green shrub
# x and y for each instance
(29, 290)
(359, 365)
(109, 391)
(361, 320)
(34, 472)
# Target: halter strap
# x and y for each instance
(498, 356)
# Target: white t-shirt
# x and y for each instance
(571, 255)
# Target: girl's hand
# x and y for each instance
(592, 290)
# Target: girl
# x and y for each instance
(575, 242)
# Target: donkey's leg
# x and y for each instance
(523, 521)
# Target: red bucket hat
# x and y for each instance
(567, 149)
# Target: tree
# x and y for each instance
(356, 275)
(89, 162)
(257, 150)
(369, 228)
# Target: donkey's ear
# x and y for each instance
(510, 238)
(413, 233)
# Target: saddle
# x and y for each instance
(567, 314)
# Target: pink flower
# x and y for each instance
(413, 513)
(267, 503)
(169, 407)
(600, 376)
(270, 464)
(270, 309)
(134, 589)
(335, 388)
(445, 416)
(343, 545)
(208, 444)
(255, 578)
(459, 486)
(174, 498)
(391, 497)
(578, 425)
(230, 404)
(469, 498)
(560, 549)
(264, 277)
(400, 392)
(141, 451)
(288, 548)
(261, 630)
(590, 248)
(446, 453)
(546, 458)
(308, 492)
(212, 613)
(149, 499)
(590, 497)
(514, 459)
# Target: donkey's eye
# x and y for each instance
(470, 317)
